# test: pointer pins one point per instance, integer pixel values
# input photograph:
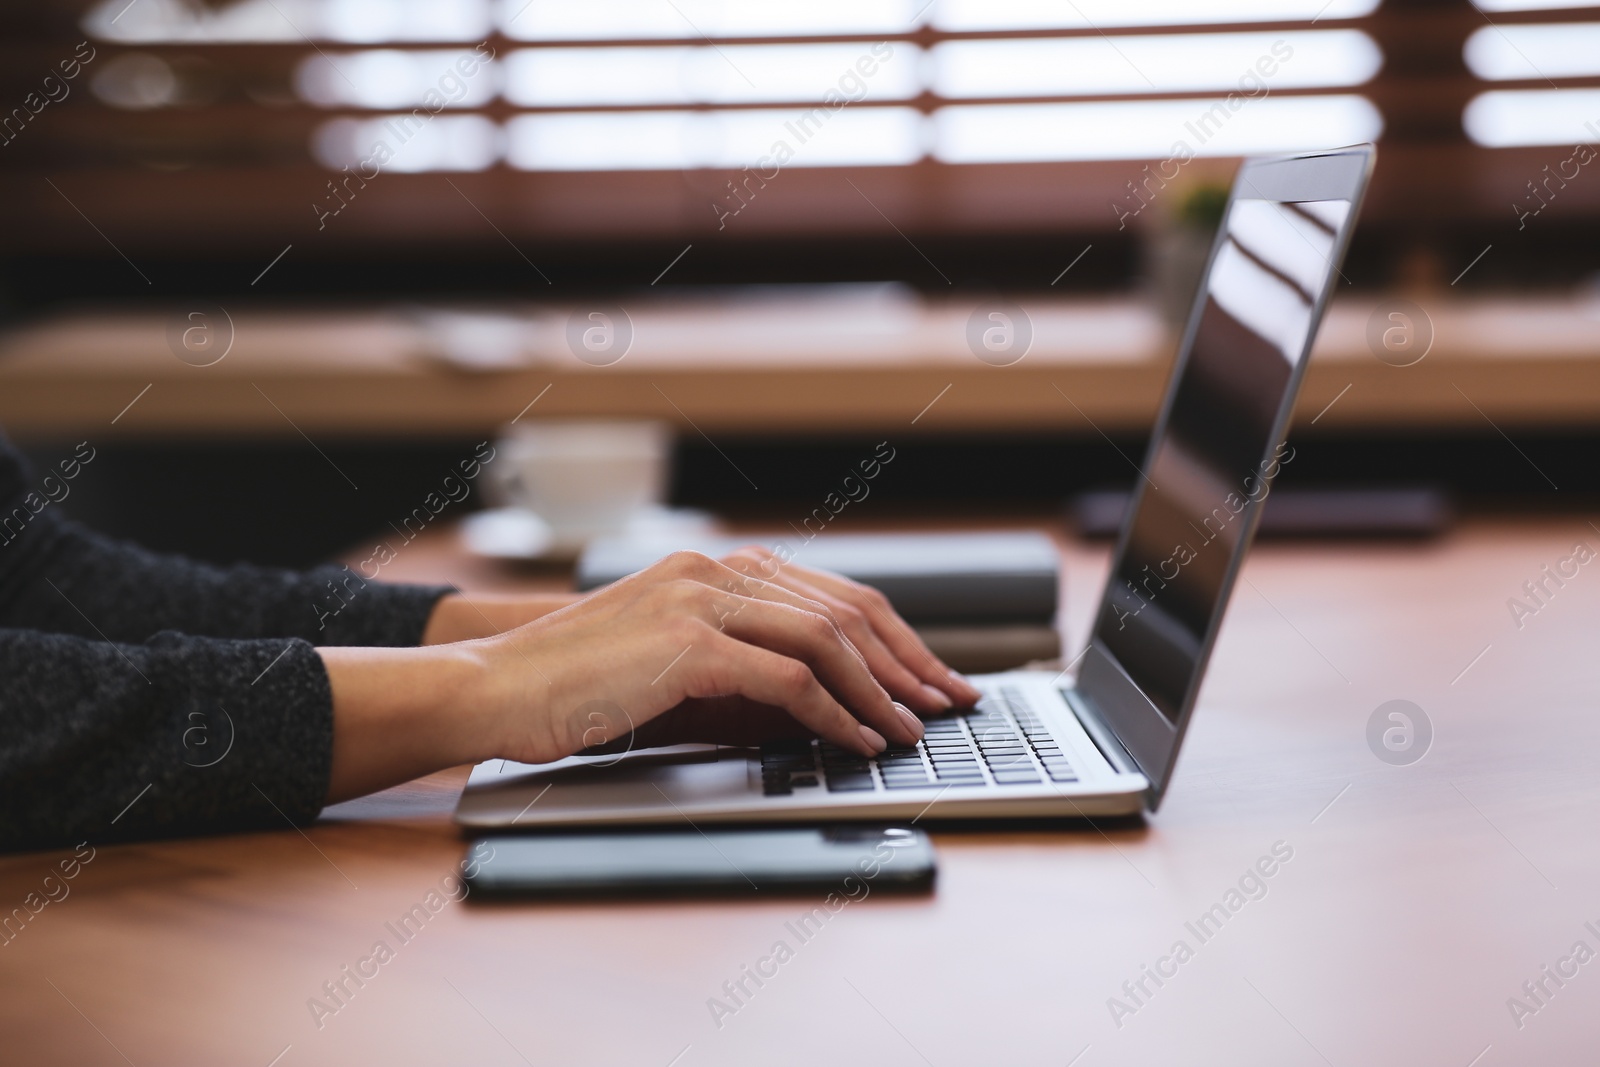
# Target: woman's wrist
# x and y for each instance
(468, 617)
(399, 713)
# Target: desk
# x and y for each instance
(825, 363)
(1417, 901)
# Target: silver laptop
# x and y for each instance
(1038, 744)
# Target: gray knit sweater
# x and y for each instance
(145, 695)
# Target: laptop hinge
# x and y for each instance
(1104, 738)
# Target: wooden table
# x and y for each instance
(1417, 901)
(854, 360)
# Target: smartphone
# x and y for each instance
(852, 861)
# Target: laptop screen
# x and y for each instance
(1212, 464)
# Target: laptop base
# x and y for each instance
(1023, 753)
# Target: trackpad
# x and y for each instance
(643, 780)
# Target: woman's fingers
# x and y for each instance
(886, 667)
(815, 640)
(688, 630)
(731, 666)
(895, 632)
(780, 620)
(892, 632)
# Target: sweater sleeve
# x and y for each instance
(59, 577)
(143, 694)
(102, 741)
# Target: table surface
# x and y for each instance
(844, 359)
(1417, 901)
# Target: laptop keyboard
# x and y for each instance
(1000, 743)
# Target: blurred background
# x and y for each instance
(285, 263)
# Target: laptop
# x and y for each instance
(1038, 744)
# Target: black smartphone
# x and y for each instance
(852, 861)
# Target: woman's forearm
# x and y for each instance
(399, 713)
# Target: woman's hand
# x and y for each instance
(687, 649)
(894, 653)
(720, 649)
(897, 657)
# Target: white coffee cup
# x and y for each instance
(586, 479)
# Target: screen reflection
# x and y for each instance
(1215, 461)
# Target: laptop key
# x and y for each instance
(1016, 766)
